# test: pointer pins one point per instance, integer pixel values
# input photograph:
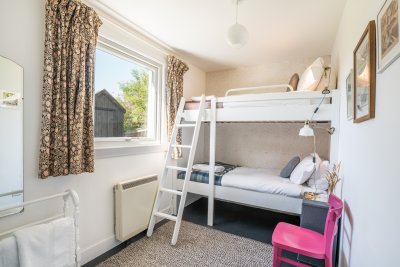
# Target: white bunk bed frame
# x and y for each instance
(327, 112)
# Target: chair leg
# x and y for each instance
(276, 262)
(328, 262)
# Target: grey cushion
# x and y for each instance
(287, 170)
(294, 81)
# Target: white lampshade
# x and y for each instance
(306, 130)
(237, 35)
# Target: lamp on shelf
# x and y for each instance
(308, 131)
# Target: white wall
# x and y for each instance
(267, 74)
(22, 40)
(369, 152)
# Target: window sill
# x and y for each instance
(113, 149)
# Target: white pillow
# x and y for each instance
(318, 180)
(305, 169)
(311, 76)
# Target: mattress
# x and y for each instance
(264, 180)
(253, 179)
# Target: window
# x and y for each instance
(127, 95)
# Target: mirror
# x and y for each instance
(11, 135)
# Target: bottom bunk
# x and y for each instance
(279, 203)
(256, 187)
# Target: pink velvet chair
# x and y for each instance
(307, 242)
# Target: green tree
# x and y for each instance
(134, 100)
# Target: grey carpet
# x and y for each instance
(197, 246)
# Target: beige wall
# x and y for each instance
(274, 73)
(265, 145)
(194, 82)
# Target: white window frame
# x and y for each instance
(157, 68)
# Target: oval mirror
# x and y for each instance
(11, 135)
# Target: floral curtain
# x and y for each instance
(176, 69)
(67, 97)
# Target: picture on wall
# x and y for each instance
(364, 64)
(388, 34)
(349, 95)
(9, 99)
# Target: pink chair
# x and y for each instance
(307, 242)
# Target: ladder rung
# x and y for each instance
(187, 125)
(182, 146)
(176, 192)
(166, 216)
(176, 168)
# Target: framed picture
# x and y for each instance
(364, 65)
(349, 95)
(9, 99)
(388, 34)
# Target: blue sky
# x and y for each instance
(110, 70)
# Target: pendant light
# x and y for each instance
(237, 34)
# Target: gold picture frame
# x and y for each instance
(364, 65)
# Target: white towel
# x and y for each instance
(8, 252)
(206, 168)
(47, 245)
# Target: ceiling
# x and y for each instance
(279, 30)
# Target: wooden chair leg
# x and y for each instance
(276, 262)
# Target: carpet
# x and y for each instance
(197, 246)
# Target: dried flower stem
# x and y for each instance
(333, 177)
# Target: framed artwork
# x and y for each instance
(9, 99)
(349, 95)
(388, 34)
(364, 65)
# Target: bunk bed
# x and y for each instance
(291, 106)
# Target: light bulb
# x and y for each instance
(237, 35)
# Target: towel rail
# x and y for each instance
(69, 196)
(27, 203)
(11, 193)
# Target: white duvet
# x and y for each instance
(263, 180)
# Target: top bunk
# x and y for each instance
(292, 106)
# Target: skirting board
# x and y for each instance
(101, 247)
(98, 249)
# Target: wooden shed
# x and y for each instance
(109, 115)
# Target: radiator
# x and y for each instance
(134, 200)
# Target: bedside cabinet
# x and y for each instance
(313, 216)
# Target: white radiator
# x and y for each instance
(134, 200)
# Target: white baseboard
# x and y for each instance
(97, 249)
(101, 247)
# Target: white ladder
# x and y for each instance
(192, 148)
